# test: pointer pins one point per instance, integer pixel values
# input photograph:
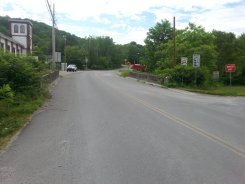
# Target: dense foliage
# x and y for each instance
(102, 53)
(216, 49)
(22, 74)
(133, 52)
(21, 91)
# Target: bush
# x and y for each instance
(187, 76)
(20, 91)
(6, 93)
(19, 73)
(124, 73)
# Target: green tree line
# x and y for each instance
(216, 48)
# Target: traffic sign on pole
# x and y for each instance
(230, 67)
(184, 61)
(196, 60)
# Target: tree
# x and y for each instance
(156, 38)
(102, 53)
(192, 40)
(133, 52)
(4, 22)
(38, 52)
(195, 40)
(240, 60)
(225, 46)
(161, 33)
(75, 55)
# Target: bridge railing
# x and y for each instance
(147, 77)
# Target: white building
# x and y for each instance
(8, 43)
(21, 31)
(20, 41)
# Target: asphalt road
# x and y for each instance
(100, 128)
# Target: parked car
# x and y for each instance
(71, 68)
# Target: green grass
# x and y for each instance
(222, 90)
(13, 117)
(124, 73)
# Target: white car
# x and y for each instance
(71, 68)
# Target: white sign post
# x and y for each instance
(184, 61)
(196, 60)
(196, 64)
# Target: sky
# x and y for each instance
(129, 20)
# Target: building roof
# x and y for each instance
(21, 21)
(11, 39)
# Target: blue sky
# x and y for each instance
(130, 20)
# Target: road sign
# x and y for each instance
(196, 60)
(216, 75)
(230, 68)
(184, 61)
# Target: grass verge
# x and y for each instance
(124, 73)
(222, 90)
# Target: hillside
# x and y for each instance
(100, 52)
(42, 34)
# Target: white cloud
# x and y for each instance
(211, 14)
(223, 19)
(135, 34)
(119, 25)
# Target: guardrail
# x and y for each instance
(147, 77)
(50, 77)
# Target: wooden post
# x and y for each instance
(174, 40)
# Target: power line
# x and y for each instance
(52, 14)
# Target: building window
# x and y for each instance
(13, 50)
(16, 28)
(22, 29)
(2, 45)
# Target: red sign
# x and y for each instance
(230, 68)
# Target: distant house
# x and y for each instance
(20, 41)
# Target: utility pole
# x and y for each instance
(52, 14)
(174, 40)
(64, 36)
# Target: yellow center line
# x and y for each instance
(190, 126)
(212, 137)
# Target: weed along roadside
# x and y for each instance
(18, 112)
